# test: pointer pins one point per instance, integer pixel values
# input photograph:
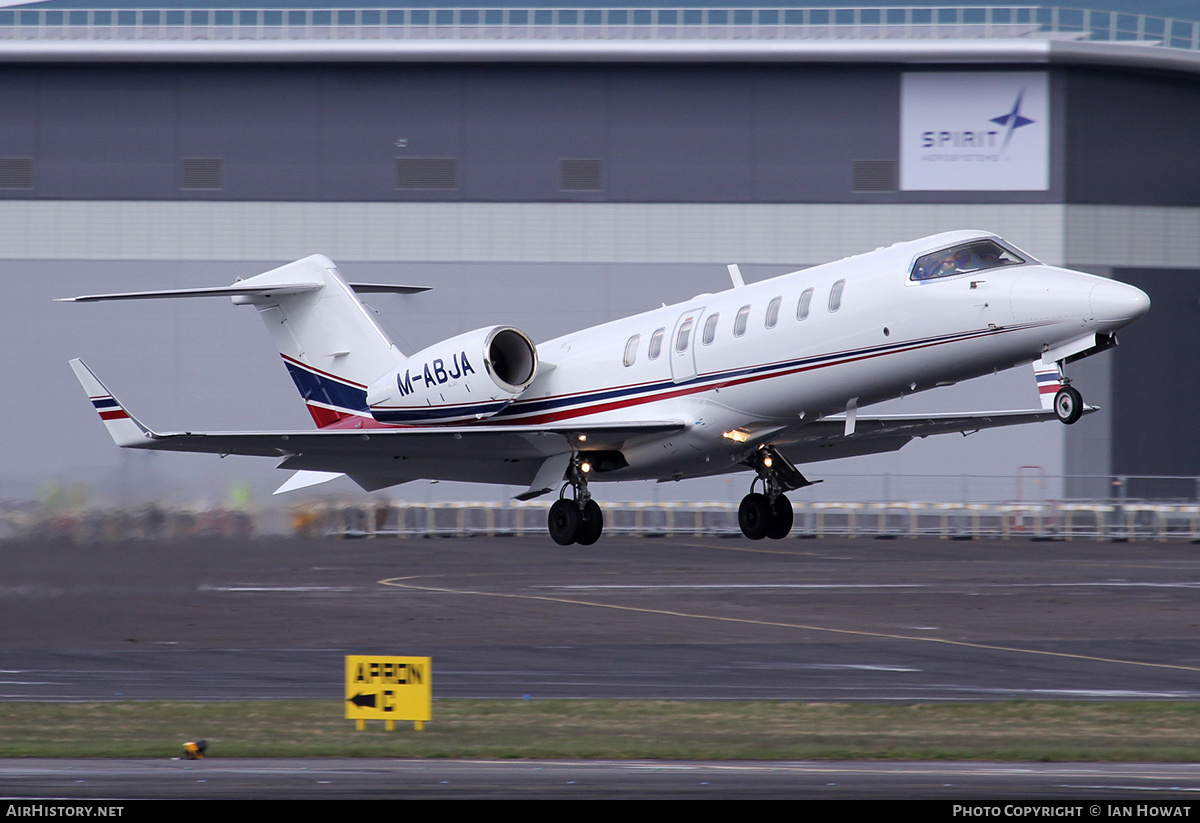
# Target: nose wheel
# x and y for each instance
(1068, 404)
(578, 519)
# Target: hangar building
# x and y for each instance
(553, 169)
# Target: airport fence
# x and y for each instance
(906, 506)
(196, 25)
(1062, 520)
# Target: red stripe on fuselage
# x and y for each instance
(668, 395)
(327, 418)
(315, 370)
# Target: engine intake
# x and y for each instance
(469, 377)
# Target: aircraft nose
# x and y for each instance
(1117, 304)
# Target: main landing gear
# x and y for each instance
(578, 519)
(769, 513)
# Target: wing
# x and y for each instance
(377, 458)
(827, 439)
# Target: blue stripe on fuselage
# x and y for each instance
(322, 389)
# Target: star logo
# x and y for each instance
(1013, 120)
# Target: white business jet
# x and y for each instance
(759, 377)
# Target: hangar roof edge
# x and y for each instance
(908, 52)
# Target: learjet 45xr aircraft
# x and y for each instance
(760, 377)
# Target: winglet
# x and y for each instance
(124, 429)
(1049, 379)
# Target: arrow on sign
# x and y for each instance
(363, 701)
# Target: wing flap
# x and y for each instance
(380, 457)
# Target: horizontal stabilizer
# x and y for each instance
(240, 290)
(386, 288)
(236, 290)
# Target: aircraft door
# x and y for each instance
(683, 341)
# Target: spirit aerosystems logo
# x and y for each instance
(952, 138)
(1013, 120)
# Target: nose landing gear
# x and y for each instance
(1068, 404)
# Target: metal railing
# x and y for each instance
(654, 24)
(1029, 504)
(1061, 520)
(1058, 520)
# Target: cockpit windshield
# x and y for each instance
(974, 256)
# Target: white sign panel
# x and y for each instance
(975, 131)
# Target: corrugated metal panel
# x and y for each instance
(427, 173)
(874, 175)
(581, 175)
(16, 172)
(792, 234)
(201, 173)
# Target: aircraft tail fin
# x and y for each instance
(123, 427)
(329, 341)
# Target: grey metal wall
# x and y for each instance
(736, 134)
(1157, 402)
(662, 133)
(1132, 137)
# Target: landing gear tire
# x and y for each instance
(591, 525)
(564, 522)
(1068, 404)
(781, 519)
(754, 516)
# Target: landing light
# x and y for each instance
(737, 435)
(585, 467)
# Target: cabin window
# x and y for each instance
(739, 322)
(681, 339)
(835, 295)
(710, 329)
(656, 344)
(631, 349)
(968, 257)
(804, 305)
(773, 312)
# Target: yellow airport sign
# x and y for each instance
(389, 689)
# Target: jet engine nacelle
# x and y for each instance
(468, 377)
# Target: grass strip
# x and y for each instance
(611, 729)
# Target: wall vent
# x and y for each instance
(580, 175)
(202, 173)
(16, 172)
(874, 175)
(426, 173)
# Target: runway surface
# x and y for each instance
(680, 618)
(1091, 786)
(687, 618)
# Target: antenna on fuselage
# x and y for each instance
(735, 274)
